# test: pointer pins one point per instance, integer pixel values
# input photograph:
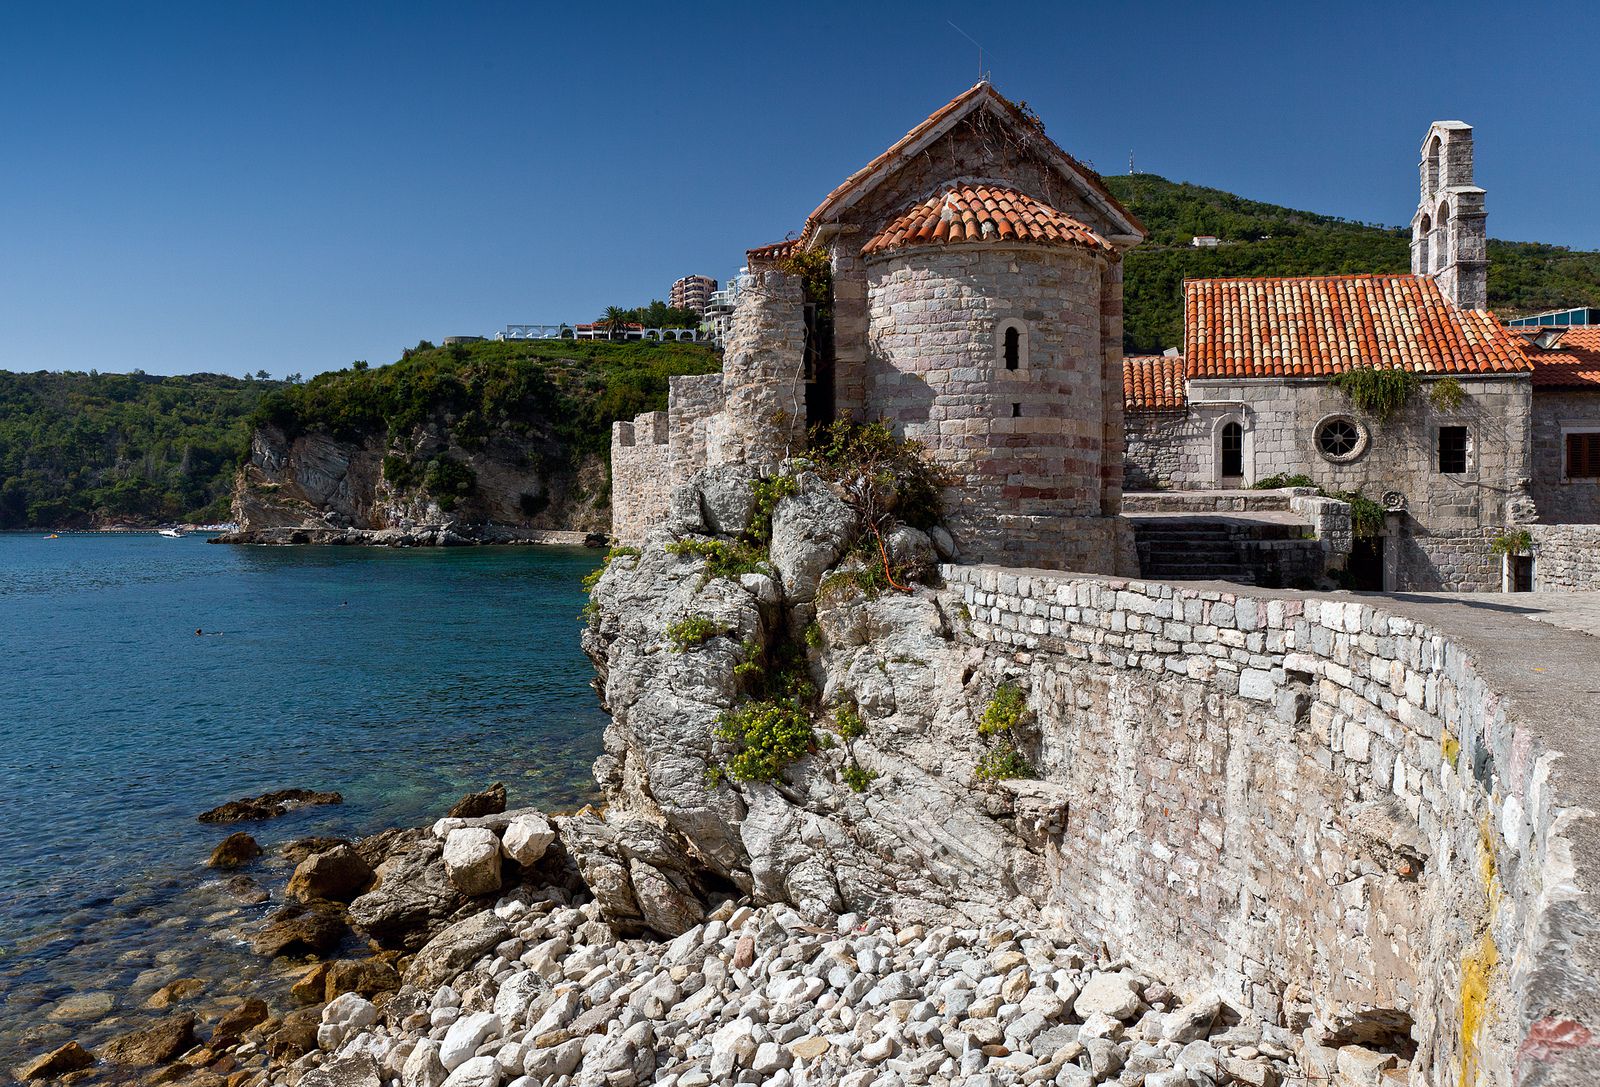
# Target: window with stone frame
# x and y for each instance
(1453, 447)
(1583, 455)
(1011, 344)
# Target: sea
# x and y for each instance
(144, 680)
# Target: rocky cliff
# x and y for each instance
(484, 442)
(893, 691)
(426, 488)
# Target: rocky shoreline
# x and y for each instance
(483, 958)
(450, 535)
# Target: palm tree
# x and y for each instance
(614, 319)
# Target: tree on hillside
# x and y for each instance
(615, 318)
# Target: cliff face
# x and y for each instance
(426, 488)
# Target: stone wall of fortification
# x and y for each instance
(1331, 813)
(763, 372)
(641, 470)
(1566, 557)
(1025, 446)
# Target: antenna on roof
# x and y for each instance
(983, 75)
(1131, 170)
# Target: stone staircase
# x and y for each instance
(1248, 539)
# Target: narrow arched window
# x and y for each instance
(1010, 344)
(1232, 450)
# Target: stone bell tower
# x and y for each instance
(1449, 238)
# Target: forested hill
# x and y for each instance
(80, 450)
(95, 449)
(1260, 239)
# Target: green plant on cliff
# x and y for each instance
(767, 735)
(723, 558)
(694, 631)
(1378, 391)
(1512, 542)
(997, 728)
(768, 491)
(1004, 710)
(849, 727)
(1003, 762)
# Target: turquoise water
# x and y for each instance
(400, 678)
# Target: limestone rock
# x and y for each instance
(526, 839)
(911, 550)
(477, 1072)
(297, 929)
(450, 952)
(491, 801)
(422, 1067)
(1194, 1020)
(365, 977)
(174, 992)
(346, 1070)
(58, 1062)
(234, 851)
(343, 1017)
(1111, 994)
(464, 1037)
(156, 1044)
(727, 498)
(83, 1007)
(267, 805)
(472, 860)
(240, 1018)
(412, 898)
(810, 531)
(338, 875)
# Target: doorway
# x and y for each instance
(1232, 451)
(1365, 569)
(1521, 573)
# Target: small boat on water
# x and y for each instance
(173, 533)
(52, 536)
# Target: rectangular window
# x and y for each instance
(1583, 455)
(1452, 449)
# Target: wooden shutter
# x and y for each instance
(1583, 456)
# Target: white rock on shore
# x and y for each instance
(763, 996)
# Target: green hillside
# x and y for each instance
(79, 449)
(1260, 239)
(82, 449)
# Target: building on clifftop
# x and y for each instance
(966, 287)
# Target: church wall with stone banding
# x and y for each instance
(1322, 810)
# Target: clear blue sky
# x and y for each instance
(288, 187)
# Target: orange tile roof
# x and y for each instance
(775, 251)
(1153, 383)
(1315, 326)
(966, 102)
(1573, 362)
(983, 213)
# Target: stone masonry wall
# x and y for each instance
(1566, 557)
(1024, 446)
(641, 470)
(1561, 500)
(763, 373)
(1442, 541)
(1321, 809)
(1155, 444)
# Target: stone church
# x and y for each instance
(1493, 438)
(974, 302)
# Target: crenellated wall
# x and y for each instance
(1332, 811)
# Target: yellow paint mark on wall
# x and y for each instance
(1450, 746)
(1476, 970)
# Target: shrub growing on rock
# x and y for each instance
(1001, 762)
(724, 558)
(696, 630)
(1003, 711)
(769, 735)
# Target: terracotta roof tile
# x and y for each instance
(983, 213)
(962, 104)
(775, 251)
(1571, 362)
(1153, 383)
(1315, 326)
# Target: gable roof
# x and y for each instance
(1571, 362)
(982, 96)
(1317, 326)
(983, 213)
(1153, 383)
